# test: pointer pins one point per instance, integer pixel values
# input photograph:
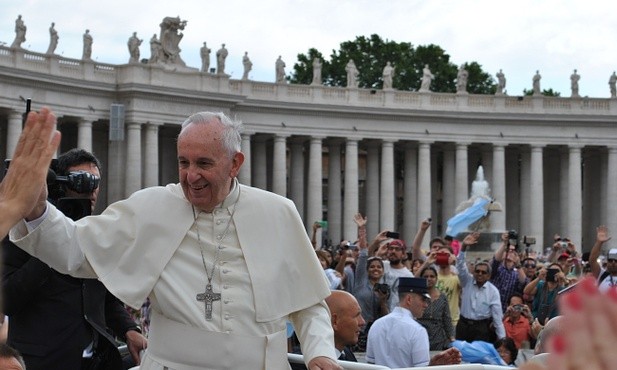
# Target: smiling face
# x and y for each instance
(481, 273)
(375, 269)
(206, 169)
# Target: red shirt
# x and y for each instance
(519, 331)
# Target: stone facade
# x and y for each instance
(396, 156)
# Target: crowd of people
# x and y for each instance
(511, 299)
(395, 303)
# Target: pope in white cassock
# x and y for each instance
(225, 265)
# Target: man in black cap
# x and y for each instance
(397, 340)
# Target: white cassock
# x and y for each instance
(266, 272)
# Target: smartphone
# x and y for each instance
(393, 234)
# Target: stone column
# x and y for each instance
(296, 174)
(279, 166)
(525, 196)
(372, 188)
(611, 193)
(387, 193)
(449, 183)
(462, 177)
(244, 176)
(564, 191)
(260, 172)
(151, 160)
(498, 219)
(351, 200)
(84, 134)
(335, 201)
(314, 206)
(424, 180)
(410, 192)
(487, 164)
(133, 159)
(575, 196)
(12, 133)
(536, 216)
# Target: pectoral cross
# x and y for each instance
(208, 297)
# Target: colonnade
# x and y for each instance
(543, 189)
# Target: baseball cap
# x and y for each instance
(612, 254)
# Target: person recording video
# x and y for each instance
(58, 321)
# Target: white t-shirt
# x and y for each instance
(608, 281)
(391, 276)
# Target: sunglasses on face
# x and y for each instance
(530, 265)
(395, 248)
(611, 260)
(481, 272)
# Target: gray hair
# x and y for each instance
(232, 129)
(483, 263)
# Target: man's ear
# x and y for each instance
(237, 161)
(334, 320)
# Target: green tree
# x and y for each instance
(545, 92)
(370, 54)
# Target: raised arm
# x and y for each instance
(416, 246)
(316, 225)
(377, 248)
(601, 238)
(26, 177)
(361, 222)
(500, 252)
(461, 264)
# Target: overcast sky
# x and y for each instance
(520, 37)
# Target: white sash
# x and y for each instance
(176, 346)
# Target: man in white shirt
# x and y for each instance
(607, 277)
(481, 314)
(397, 340)
(394, 268)
(224, 265)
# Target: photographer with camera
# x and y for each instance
(507, 274)
(58, 321)
(517, 322)
(544, 289)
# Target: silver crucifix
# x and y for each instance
(208, 297)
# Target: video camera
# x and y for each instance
(81, 182)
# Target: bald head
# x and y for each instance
(346, 318)
(339, 299)
(551, 328)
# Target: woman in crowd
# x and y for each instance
(369, 286)
(544, 289)
(507, 350)
(334, 277)
(436, 318)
